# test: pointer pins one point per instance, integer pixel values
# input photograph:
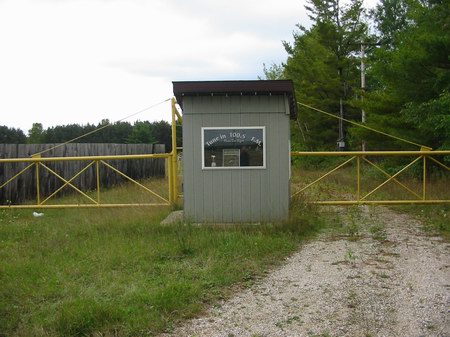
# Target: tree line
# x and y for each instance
(406, 46)
(140, 132)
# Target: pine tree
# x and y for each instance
(323, 62)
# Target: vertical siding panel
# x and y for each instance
(233, 195)
(208, 196)
(256, 181)
(198, 177)
(284, 181)
(234, 105)
(255, 197)
(218, 197)
(230, 104)
(265, 176)
(207, 104)
(188, 160)
(227, 214)
(250, 185)
(274, 162)
(245, 197)
(265, 104)
(282, 157)
(208, 178)
(248, 104)
(236, 177)
(279, 103)
(223, 206)
(188, 163)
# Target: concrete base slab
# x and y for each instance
(174, 217)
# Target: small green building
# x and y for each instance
(236, 149)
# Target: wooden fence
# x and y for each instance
(24, 186)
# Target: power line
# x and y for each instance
(102, 127)
(365, 127)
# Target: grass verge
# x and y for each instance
(342, 185)
(436, 218)
(117, 272)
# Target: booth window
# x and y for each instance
(233, 147)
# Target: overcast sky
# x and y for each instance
(81, 61)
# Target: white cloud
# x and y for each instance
(79, 61)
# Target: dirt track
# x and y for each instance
(384, 277)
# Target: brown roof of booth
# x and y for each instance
(259, 87)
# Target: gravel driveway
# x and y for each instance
(383, 277)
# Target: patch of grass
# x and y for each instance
(352, 227)
(288, 321)
(383, 275)
(436, 218)
(350, 256)
(378, 232)
(324, 334)
(341, 185)
(118, 272)
(123, 193)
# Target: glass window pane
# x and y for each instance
(233, 147)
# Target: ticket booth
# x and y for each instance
(236, 150)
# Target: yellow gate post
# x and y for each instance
(424, 182)
(97, 171)
(38, 182)
(358, 178)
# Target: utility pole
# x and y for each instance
(363, 89)
(363, 81)
(341, 140)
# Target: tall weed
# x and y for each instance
(118, 272)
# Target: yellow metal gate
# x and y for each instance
(360, 196)
(367, 157)
(94, 198)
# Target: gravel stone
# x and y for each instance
(396, 283)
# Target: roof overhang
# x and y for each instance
(243, 88)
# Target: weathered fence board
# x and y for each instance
(24, 186)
